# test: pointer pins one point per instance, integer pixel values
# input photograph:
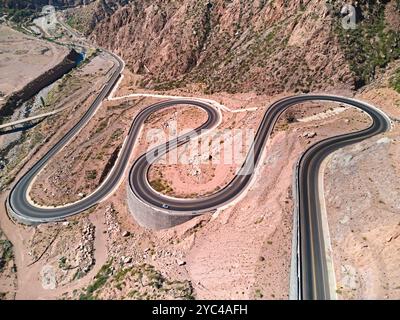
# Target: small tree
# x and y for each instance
(290, 116)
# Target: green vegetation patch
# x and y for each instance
(19, 15)
(80, 21)
(141, 281)
(371, 45)
(65, 86)
(148, 283)
(91, 174)
(161, 186)
(102, 125)
(100, 280)
(6, 253)
(395, 81)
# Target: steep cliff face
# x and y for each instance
(237, 45)
(226, 45)
(87, 17)
(374, 42)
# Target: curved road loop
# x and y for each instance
(313, 276)
(313, 267)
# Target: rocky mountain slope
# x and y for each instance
(241, 46)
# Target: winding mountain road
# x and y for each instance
(313, 267)
(313, 278)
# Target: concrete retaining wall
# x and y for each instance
(15, 218)
(153, 218)
(294, 285)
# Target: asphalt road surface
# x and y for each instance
(314, 279)
(18, 201)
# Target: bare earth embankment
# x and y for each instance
(362, 195)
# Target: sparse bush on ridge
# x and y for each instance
(100, 280)
(371, 45)
(91, 174)
(141, 281)
(395, 81)
(6, 253)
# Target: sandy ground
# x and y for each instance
(362, 196)
(23, 58)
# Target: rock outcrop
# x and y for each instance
(240, 46)
(234, 46)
